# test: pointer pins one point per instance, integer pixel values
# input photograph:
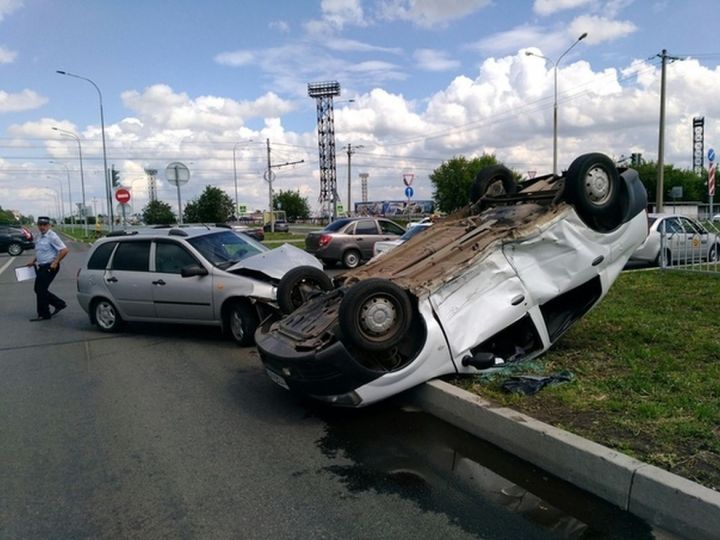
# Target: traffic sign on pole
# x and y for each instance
(409, 192)
(122, 195)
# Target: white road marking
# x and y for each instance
(6, 264)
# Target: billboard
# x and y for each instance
(393, 208)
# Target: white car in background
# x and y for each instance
(676, 239)
(498, 281)
(412, 229)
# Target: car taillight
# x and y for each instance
(325, 239)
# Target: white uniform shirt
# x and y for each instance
(47, 246)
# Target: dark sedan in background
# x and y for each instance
(351, 240)
(15, 240)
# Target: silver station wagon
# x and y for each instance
(194, 275)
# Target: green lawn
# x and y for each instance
(647, 374)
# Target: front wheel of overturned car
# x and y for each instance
(241, 321)
(495, 181)
(593, 185)
(106, 316)
(375, 314)
(298, 285)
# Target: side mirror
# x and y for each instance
(193, 270)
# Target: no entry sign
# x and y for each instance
(122, 196)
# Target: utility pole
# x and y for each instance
(269, 176)
(350, 152)
(661, 137)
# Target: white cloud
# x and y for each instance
(9, 6)
(434, 60)
(548, 7)
(281, 26)
(336, 14)
(518, 38)
(429, 13)
(351, 45)
(600, 29)
(22, 101)
(235, 58)
(7, 56)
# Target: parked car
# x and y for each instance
(386, 245)
(196, 275)
(256, 232)
(15, 240)
(498, 281)
(676, 239)
(351, 240)
(280, 226)
(716, 218)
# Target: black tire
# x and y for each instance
(351, 258)
(241, 321)
(298, 285)
(106, 316)
(714, 253)
(593, 185)
(495, 181)
(375, 314)
(14, 249)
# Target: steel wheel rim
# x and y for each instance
(14, 250)
(378, 316)
(598, 187)
(352, 259)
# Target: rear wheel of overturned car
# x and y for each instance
(14, 249)
(300, 284)
(241, 321)
(351, 258)
(106, 316)
(494, 181)
(593, 185)
(375, 314)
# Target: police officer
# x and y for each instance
(49, 251)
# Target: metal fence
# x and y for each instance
(690, 246)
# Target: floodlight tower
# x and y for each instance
(152, 183)
(323, 92)
(363, 184)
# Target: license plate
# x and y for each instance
(277, 379)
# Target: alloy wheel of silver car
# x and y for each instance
(14, 249)
(106, 316)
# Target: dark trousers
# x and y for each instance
(43, 278)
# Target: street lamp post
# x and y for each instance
(102, 129)
(62, 196)
(555, 99)
(82, 174)
(67, 171)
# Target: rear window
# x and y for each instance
(134, 256)
(99, 258)
(337, 225)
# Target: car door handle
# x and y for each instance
(158, 282)
(112, 280)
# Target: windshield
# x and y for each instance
(412, 231)
(223, 249)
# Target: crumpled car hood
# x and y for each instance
(276, 262)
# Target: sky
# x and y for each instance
(213, 84)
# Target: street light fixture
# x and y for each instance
(82, 174)
(555, 100)
(102, 129)
(67, 171)
(62, 196)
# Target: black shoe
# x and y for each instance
(57, 310)
(39, 318)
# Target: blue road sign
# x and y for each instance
(409, 192)
(711, 154)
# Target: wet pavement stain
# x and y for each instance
(479, 487)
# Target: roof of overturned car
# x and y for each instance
(446, 292)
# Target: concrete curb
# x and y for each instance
(662, 498)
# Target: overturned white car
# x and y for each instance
(500, 280)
